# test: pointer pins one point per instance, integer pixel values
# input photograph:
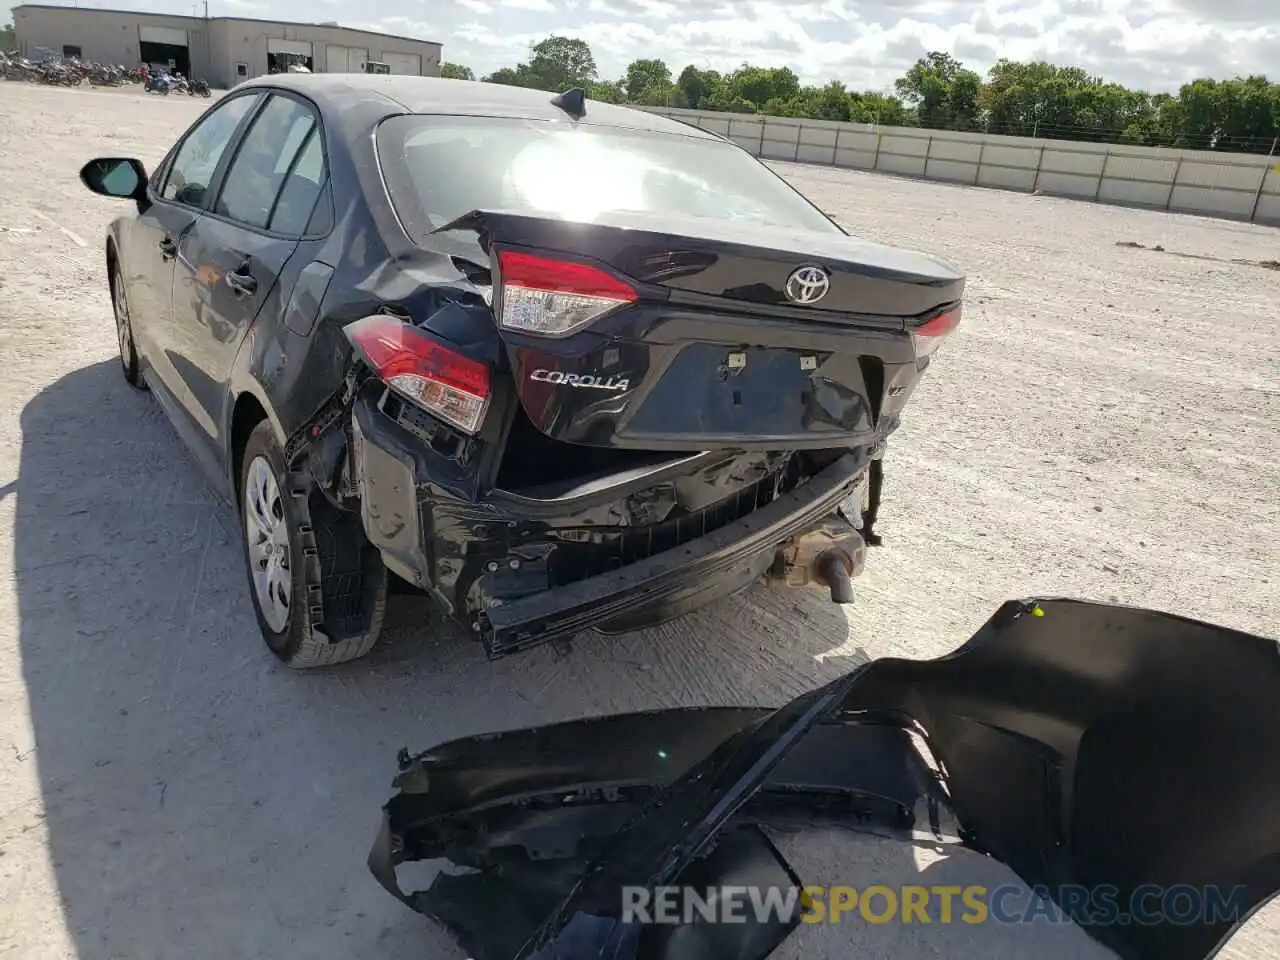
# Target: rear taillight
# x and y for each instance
(555, 297)
(931, 333)
(450, 386)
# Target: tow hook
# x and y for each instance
(830, 555)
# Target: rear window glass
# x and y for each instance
(439, 167)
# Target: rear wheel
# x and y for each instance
(316, 605)
(124, 328)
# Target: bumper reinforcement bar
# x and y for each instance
(564, 611)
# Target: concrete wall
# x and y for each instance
(215, 46)
(1233, 185)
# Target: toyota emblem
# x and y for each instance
(807, 285)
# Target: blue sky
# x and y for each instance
(1156, 44)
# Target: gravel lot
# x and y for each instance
(1104, 426)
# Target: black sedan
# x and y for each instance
(560, 364)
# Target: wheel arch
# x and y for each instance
(248, 409)
(247, 403)
(112, 260)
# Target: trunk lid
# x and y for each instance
(685, 334)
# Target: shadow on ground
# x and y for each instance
(203, 801)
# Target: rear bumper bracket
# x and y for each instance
(731, 557)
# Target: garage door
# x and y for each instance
(298, 47)
(344, 59)
(404, 63)
(165, 35)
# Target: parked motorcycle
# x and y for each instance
(199, 88)
(64, 71)
(107, 76)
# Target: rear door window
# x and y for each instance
(263, 162)
(197, 159)
(301, 189)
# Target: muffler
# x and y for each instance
(830, 555)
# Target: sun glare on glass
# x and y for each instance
(575, 176)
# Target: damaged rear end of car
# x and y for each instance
(563, 413)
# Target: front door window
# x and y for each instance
(197, 159)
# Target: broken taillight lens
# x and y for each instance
(930, 334)
(555, 297)
(444, 383)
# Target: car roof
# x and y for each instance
(335, 92)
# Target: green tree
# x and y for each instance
(607, 91)
(510, 76)
(1026, 99)
(8, 39)
(1152, 124)
(695, 86)
(456, 71)
(1194, 116)
(880, 109)
(831, 102)
(555, 64)
(762, 84)
(942, 90)
(647, 82)
(1020, 98)
(725, 99)
(559, 63)
(1249, 113)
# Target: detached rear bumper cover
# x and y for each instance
(1117, 752)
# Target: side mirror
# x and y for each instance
(123, 178)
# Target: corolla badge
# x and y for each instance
(583, 381)
(807, 285)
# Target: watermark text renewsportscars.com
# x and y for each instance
(1010, 904)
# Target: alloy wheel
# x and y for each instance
(267, 533)
(124, 328)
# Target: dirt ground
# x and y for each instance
(1104, 425)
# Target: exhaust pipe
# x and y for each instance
(831, 569)
(830, 555)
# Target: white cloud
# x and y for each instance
(1155, 44)
(398, 25)
(654, 9)
(867, 44)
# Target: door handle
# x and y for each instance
(168, 249)
(242, 282)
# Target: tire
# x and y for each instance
(124, 329)
(326, 606)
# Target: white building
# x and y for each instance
(221, 50)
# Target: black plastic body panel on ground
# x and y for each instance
(1089, 747)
